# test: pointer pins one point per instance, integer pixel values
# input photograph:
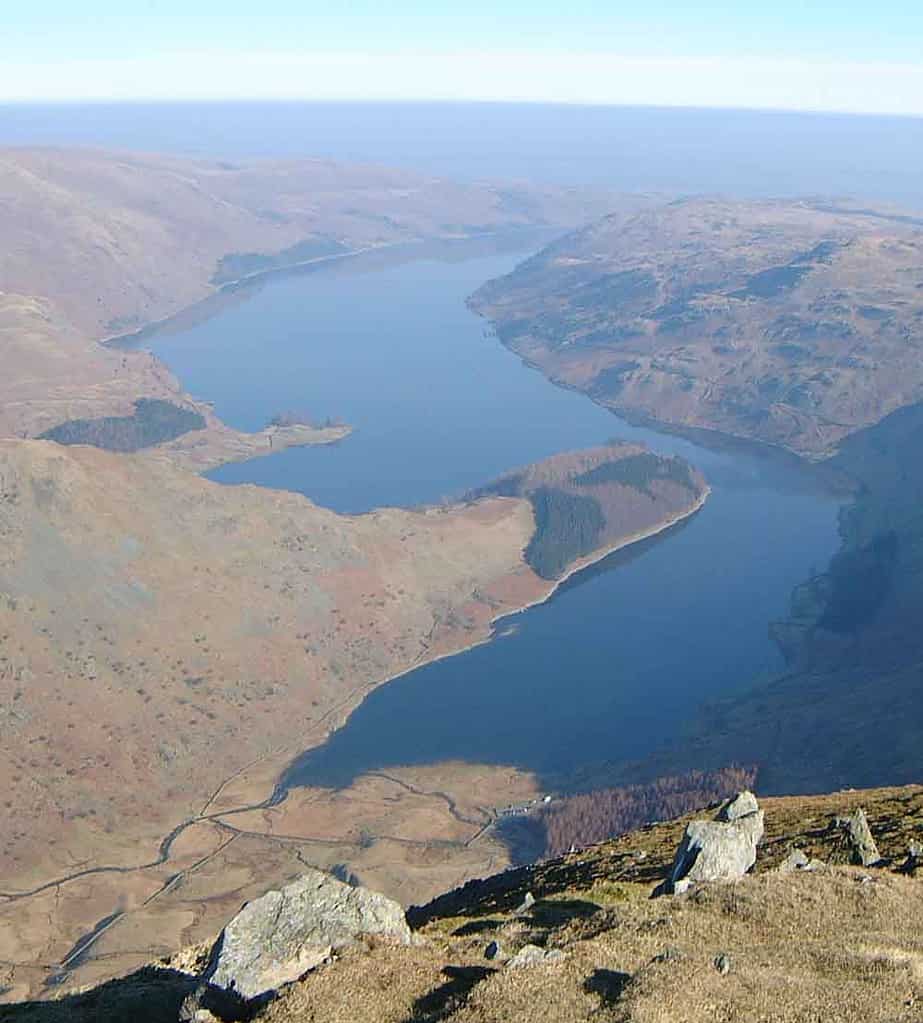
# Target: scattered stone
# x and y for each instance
(720, 850)
(914, 859)
(204, 1016)
(797, 861)
(532, 955)
(492, 950)
(670, 954)
(859, 845)
(525, 906)
(278, 938)
(723, 964)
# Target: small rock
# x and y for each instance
(492, 950)
(723, 964)
(532, 955)
(278, 938)
(527, 903)
(861, 849)
(190, 1008)
(797, 862)
(192, 1011)
(668, 955)
(914, 859)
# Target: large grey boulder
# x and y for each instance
(278, 938)
(723, 849)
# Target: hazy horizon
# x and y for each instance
(671, 150)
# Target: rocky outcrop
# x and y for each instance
(278, 938)
(723, 849)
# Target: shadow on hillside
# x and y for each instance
(553, 913)
(607, 984)
(445, 999)
(149, 996)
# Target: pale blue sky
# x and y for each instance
(847, 55)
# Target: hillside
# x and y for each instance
(169, 645)
(791, 323)
(834, 941)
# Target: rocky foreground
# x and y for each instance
(797, 909)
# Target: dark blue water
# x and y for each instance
(625, 652)
(678, 150)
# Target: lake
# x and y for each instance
(624, 652)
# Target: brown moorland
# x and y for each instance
(794, 323)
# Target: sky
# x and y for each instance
(850, 56)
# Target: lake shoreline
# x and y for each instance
(701, 436)
(553, 585)
(129, 339)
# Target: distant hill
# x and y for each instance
(793, 323)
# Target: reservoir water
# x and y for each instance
(625, 652)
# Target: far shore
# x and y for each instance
(152, 327)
